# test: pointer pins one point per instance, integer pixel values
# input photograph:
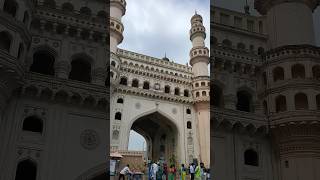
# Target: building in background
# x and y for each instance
(265, 73)
(167, 103)
(53, 94)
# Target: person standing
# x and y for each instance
(172, 172)
(197, 172)
(183, 172)
(159, 172)
(191, 170)
(124, 172)
(154, 169)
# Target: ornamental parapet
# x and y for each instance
(57, 14)
(117, 27)
(262, 6)
(294, 117)
(65, 90)
(292, 51)
(154, 61)
(121, 3)
(197, 30)
(229, 119)
(202, 99)
(199, 52)
(153, 94)
(154, 74)
(234, 55)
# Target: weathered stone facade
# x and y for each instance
(266, 96)
(53, 74)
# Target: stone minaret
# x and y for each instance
(199, 60)
(292, 94)
(117, 10)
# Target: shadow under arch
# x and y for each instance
(98, 172)
(161, 133)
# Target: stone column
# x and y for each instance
(99, 76)
(62, 69)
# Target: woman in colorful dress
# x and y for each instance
(183, 172)
(172, 172)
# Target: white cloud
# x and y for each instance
(153, 27)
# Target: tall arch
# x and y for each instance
(155, 124)
(43, 62)
(26, 169)
(80, 69)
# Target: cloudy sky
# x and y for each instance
(156, 27)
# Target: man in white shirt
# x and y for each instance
(192, 170)
(154, 170)
(124, 172)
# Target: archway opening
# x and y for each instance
(161, 137)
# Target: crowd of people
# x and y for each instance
(160, 171)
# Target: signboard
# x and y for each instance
(112, 167)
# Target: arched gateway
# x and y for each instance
(161, 134)
(166, 102)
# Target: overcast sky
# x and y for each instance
(156, 27)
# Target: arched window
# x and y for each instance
(217, 96)
(318, 101)
(227, 43)
(20, 50)
(10, 7)
(278, 74)
(204, 93)
(33, 124)
(146, 85)
(260, 51)
(301, 101)
(43, 63)
(189, 125)
(85, 11)
(265, 107)
(186, 93)
(316, 71)
(113, 63)
(203, 83)
(5, 41)
(117, 116)
(102, 15)
(244, 101)
(135, 83)
(120, 101)
(197, 85)
(251, 158)
(50, 3)
(115, 134)
(67, 7)
(123, 81)
(26, 17)
(281, 103)
(80, 70)
(298, 71)
(241, 46)
(264, 78)
(188, 111)
(177, 91)
(167, 89)
(26, 169)
(197, 94)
